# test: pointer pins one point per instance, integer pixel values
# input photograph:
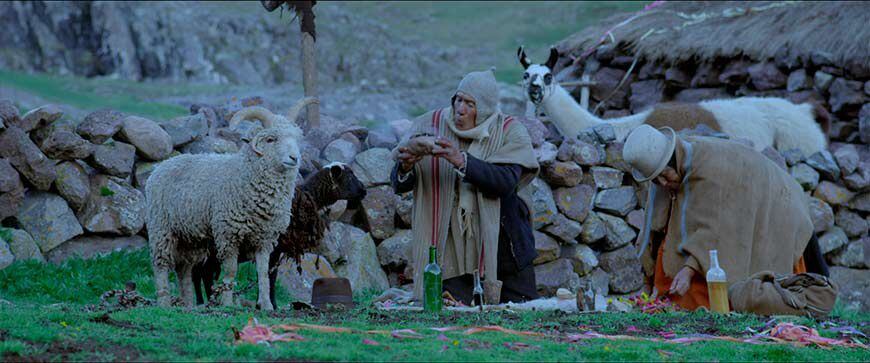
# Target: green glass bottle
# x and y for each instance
(432, 284)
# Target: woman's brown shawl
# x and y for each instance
(738, 202)
(508, 143)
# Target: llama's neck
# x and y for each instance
(320, 189)
(570, 118)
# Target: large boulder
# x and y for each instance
(618, 234)
(832, 240)
(152, 142)
(182, 130)
(562, 173)
(854, 287)
(397, 250)
(822, 215)
(543, 204)
(373, 167)
(582, 257)
(88, 247)
(73, 183)
(852, 223)
(21, 244)
(114, 158)
(39, 117)
(383, 138)
(575, 202)
(99, 126)
(48, 219)
(11, 190)
(554, 275)
(353, 255)
(619, 200)
(380, 210)
(299, 285)
(624, 269)
(113, 207)
(6, 256)
(564, 229)
(853, 255)
(26, 157)
(9, 114)
(546, 247)
(833, 194)
(64, 144)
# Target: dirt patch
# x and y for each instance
(72, 350)
(106, 319)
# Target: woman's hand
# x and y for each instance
(681, 282)
(445, 149)
(407, 159)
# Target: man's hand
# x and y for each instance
(420, 145)
(445, 149)
(681, 282)
(407, 159)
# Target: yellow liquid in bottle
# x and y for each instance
(718, 293)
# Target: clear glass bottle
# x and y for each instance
(717, 285)
(432, 289)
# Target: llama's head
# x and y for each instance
(333, 182)
(538, 78)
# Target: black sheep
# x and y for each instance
(328, 185)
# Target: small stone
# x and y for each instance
(853, 255)
(340, 150)
(594, 229)
(793, 156)
(618, 234)
(100, 125)
(543, 204)
(806, 176)
(564, 294)
(185, 129)
(8, 114)
(605, 132)
(775, 156)
(554, 275)
(373, 167)
(845, 94)
(152, 142)
(588, 154)
(851, 223)
(48, 219)
(23, 154)
(735, 73)
(63, 144)
(821, 58)
(864, 122)
(574, 202)
(861, 202)
(636, 218)
(405, 208)
(536, 129)
(397, 250)
(824, 162)
(860, 179)
(6, 256)
(582, 257)
(88, 247)
(114, 158)
(606, 79)
(546, 247)
(619, 200)
(645, 94)
(21, 244)
(832, 240)
(614, 158)
(847, 158)
(564, 229)
(822, 81)
(562, 174)
(766, 76)
(624, 269)
(10, 182)
(39, 117)
(833, 194)
(822, 215)
(695, 95)
(379, 205)
(72, 183)
(618, 306)
(588, 136)
(677, 77)
(546, 153)
(707, 75)
(565, 152)
(798, 80)
(854, 284)
(113, 207)
(606, 178)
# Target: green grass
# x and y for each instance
(47, 320)
(494, 26)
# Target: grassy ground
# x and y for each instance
(48, 318)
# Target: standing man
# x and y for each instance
(466, 165)
(723, 196)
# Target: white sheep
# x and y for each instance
(235, 203)
(769, 121)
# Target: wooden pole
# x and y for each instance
(309, 79)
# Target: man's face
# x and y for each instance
(464, 111)
(669, 179)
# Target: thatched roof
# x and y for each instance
(706, 29)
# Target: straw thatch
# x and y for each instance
(705, 30)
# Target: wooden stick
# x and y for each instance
(309, 79)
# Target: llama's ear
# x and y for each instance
(316, 164)
(524, 60)
(335, 171)
(554, 57)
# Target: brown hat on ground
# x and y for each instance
(331, 290)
